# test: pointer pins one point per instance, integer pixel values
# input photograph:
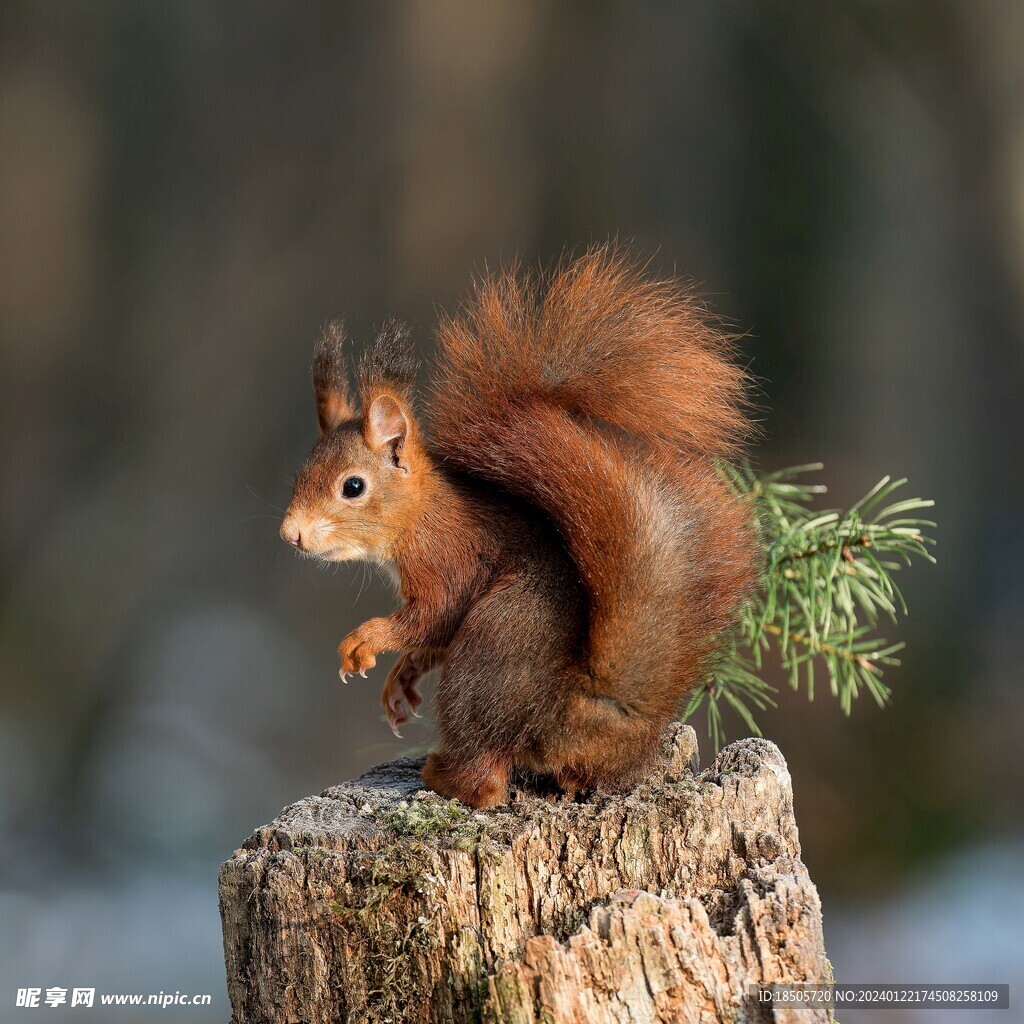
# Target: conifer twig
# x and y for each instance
(828, 579)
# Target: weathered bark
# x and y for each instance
(379, 901)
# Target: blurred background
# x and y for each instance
(189, 190)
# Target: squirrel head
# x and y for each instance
(358, 490)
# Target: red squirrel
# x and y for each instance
(568, 555)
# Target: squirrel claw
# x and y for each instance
(395, 711)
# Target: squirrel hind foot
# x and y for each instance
(574, 784)
(480, 782)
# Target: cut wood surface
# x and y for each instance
(380, 901)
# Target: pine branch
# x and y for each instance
(828, 580)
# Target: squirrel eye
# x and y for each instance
(353, 487)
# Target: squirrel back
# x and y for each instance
(605, 398)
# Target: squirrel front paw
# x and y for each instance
(359, 650)
(401, 692)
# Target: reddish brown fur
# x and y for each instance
(566, 550)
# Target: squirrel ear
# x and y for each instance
(386, 424)
(330, 379)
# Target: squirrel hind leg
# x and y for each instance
(602, 745)
(480, 781)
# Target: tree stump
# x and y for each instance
(380, 901)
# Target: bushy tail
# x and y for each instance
(604, 397)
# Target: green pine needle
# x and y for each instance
(828, 581)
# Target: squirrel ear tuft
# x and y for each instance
(330, 379)
(388, 363)
(387, 423)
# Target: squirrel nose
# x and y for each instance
(291, 534)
